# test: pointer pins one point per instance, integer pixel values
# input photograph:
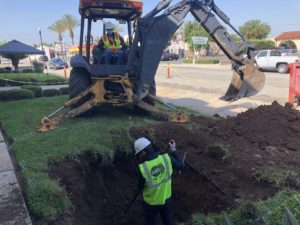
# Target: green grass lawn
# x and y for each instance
(269, 212)
(32, 77)
(34, 150)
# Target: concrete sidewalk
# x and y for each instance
(43, 87)
(13, 210)
(197, 66)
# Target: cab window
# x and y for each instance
(275, 53)
(263, 54)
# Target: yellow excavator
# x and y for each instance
(93, 82)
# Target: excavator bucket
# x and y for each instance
(245, 82)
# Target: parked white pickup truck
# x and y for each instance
(273, 60)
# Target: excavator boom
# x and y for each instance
(155, 30)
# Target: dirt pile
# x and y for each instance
(236, 154)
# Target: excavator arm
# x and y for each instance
(154, 30)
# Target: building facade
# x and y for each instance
(289, 40)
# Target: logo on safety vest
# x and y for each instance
(157, 170)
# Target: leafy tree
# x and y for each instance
(58, 27)
(2, 42)
(235, 37)
(255, 29)
(194, 28)
(15, 59)
(70, 23)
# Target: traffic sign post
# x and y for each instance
(198, 40)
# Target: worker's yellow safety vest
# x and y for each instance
(157, 173)
(116, 44)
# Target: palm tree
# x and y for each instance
(70, 22)
(58, 27)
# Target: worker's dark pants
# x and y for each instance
(164, 211)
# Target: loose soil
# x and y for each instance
(226, 151)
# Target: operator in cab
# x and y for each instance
(112, 46)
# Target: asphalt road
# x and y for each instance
(201, 88)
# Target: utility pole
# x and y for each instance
(40, 32)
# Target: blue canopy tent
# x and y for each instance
(16, 50)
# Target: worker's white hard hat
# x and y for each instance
(109, 26)
(140, 144)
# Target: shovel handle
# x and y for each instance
(130, 204)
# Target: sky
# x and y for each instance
(20, 19)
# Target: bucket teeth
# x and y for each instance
(46, 124)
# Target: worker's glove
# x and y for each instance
(172, 145)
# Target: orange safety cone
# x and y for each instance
(65, 73)
(169, 70)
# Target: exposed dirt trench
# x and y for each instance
(101, 194)
(228, 150)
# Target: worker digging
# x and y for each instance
(155, 179)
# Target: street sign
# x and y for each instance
(200, 40)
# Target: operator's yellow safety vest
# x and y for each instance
(116, 44)
(157, 173)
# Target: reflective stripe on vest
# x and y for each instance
(157, 173)
(116, 43)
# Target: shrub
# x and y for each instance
(38, 66)
(263, 44)
(3, 95)
(3, 83)
(203, 61)
(55, 80)
(37, 90)
(33, 80)
(19, 81)
(51, 92)
(65, 90)
(277, 177)
(16, 94)
(27, 71)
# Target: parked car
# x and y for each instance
(43, 58)
(285, 52)
(273, 60)
(57, 63)
(169, 56)
(174, 56)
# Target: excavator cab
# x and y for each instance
(95, 11)
(110, 80)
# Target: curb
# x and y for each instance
(13, 209)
